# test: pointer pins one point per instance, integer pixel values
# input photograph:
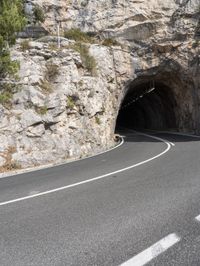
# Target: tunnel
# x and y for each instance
(148, 105)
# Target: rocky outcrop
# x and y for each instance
(62, 111)
(135, 20)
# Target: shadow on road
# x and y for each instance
(132, 135)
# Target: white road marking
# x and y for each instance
(171, 143)
(152, 252)
(34, 169)
(141, 133)
(197, 218)
(95, 178)
(182, 134)
(177, 133)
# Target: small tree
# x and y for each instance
(12, 20)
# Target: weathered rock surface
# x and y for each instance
(68, 116)
(74, 114)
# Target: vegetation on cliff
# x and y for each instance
(12, 20)
(38, 14)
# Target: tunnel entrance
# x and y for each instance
(148, 105)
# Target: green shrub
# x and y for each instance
(6, 94)
(38, 14)
(78, 35)
(5, 99)
(42, 110)
(70, 102)
(110, 42)
(97, 119)
(7, 66)
(12, 20)
(88, 61)
(25, 45)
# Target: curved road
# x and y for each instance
(135, 205)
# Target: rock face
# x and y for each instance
(62, 111)
(163, 36)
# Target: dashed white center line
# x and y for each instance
(152, 252)
(197, 218)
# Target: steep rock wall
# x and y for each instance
(60, 111)
(77, 115)
(163, 37)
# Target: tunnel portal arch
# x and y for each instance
(159, 103)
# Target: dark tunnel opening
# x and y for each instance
(150, 105)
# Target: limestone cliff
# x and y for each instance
(72, 112)
(60, 110)
(163, 36)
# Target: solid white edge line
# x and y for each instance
(177, 133)
(49, 166)
(140, 133)
(92, 179)
(144, 134)
(173, 133)
(152, 252)
(34, 169)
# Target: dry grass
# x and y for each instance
(97, 120)
(45, 86)
(9, 164)
(88, 60)
(70, 102)
(110, 42)
(78, 35)
(52, 71)
(41, 110)
(24, 45)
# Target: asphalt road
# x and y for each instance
(92, 212)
